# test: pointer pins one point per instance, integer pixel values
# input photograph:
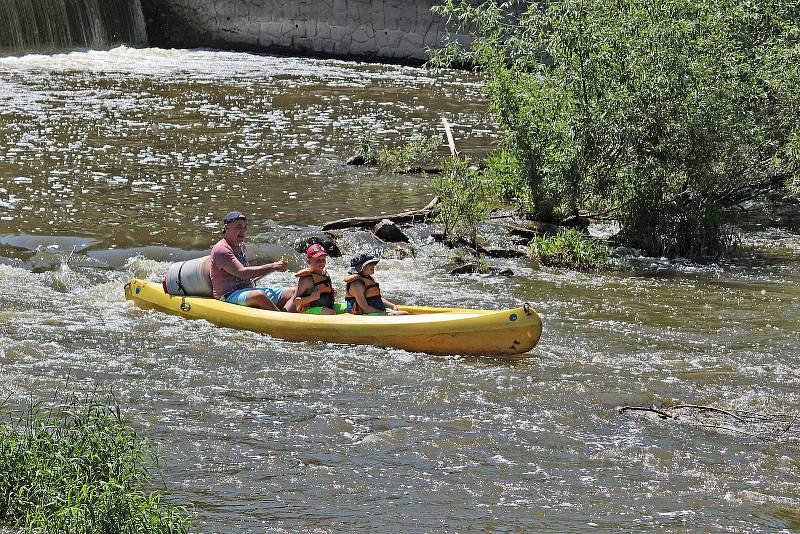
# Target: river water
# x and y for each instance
(114, 163)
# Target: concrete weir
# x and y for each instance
(50, 25)
(395, 30)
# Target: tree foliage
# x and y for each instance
(661, 114)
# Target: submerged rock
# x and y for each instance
(401, 251)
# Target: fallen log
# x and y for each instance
(369, 222)
(471, 268)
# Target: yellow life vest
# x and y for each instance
(372, 293)
(322, 282)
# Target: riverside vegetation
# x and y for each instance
(409, 157)
(660, 116)
(79, 468)
(467, 194)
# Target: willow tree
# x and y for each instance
(659, 114)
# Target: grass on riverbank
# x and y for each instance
(78, 468)
(571, 249)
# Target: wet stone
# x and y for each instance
(357, 160)
(302, 244)
(389, 231)
(477, 268)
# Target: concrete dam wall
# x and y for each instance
(50, 25)
(397, 30)
(389, 30)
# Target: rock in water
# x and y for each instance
(357, 160)
(302, 244)
(471, 268)
(389, 231)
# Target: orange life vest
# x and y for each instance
(322, 282)
(372, 292)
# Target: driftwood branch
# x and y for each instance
(450, 142)
(397, 218)
(662, 415)
(535, 229)
(480, 249)
(758, 425)
(707, 409)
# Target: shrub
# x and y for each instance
(367, 143)
(465, 199)
(571, 249)
(678, 108)
(410, 156)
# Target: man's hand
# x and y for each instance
(279, 265)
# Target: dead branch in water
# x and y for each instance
(663, 415)
(766, 427)
(397, 218)
(707, 409)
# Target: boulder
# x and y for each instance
(389, 231)
(579, 222)
(302, 244)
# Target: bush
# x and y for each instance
(678, 109)
(367, 144)
(465, 199)
(80, 469)
(502, 169)
(411, 156)
(571, 249)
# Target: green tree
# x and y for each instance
(661, 114)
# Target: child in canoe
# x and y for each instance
(315, 293)
(363, 292)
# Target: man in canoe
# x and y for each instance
(232, 276)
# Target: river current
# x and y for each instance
(115, 163)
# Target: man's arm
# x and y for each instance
(235, 268)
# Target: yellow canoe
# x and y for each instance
(506, 333)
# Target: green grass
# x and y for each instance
(570, 249)
(79, 468)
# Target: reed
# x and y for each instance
(77, 467)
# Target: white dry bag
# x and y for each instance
(190, 278)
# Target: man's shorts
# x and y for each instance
(240, 296)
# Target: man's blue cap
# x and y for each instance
(233, 216)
